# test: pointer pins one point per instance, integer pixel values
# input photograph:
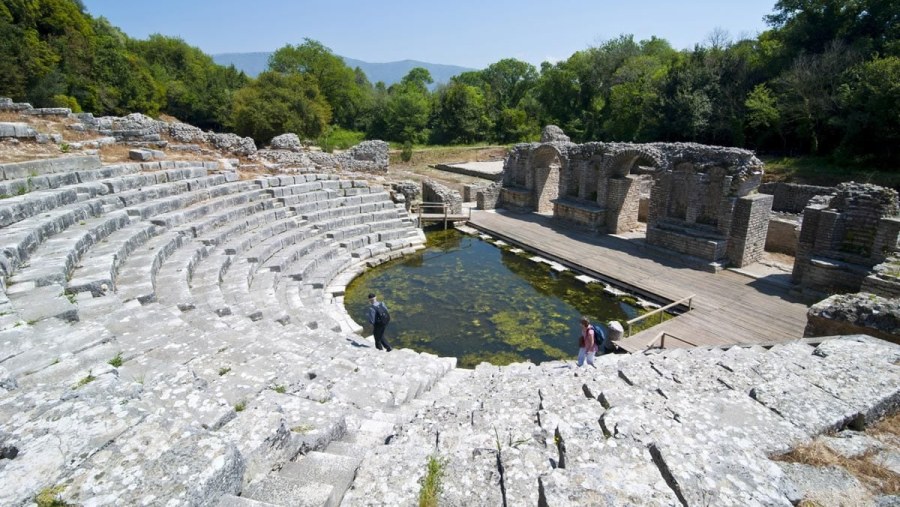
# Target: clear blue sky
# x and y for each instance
(459, 32)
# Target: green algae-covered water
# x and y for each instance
(465, 297)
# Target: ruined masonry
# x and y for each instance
(702, 199)
(844, 236)
(173, 334)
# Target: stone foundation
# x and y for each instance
(844, 236)
(783, 233)
(861, 313)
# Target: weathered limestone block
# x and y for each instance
(824, 485)
(185, 133)
(233, 143)
(17, 130)
(288, 141)
(859, 313)
(49, 111)
(554, 134)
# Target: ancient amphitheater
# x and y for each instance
(172, 333)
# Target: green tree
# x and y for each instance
(340, 84)
(197, 90)
(763, 117)
(461, 115)
(277, 103)
(870, 107)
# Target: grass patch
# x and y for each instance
(868, 467)
(116, 361)
(340, 139)
(50, 497)
(825, 172)
(86, 380)
(279, 389)
(431, 483)
(302, 429)
(240, 406)
(223, 370)
(425, 155)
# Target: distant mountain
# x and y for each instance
(391, 72)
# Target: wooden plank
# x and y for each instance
(727, 308)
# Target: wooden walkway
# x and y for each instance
(728, 307)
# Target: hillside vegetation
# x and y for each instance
(824, 80)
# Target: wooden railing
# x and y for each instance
(661, 312)
(441, 213)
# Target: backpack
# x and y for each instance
(382, 317)
(599, 335)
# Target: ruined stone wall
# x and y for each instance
(884, 280)
(792, 197)
(749, 226)
(859, 313)
(689, 208)
(434, 192)
(486, 197)
(783, 233)
(844, 236)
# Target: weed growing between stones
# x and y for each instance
(71, 297)
(139, 379)
(302, 429)
(430, 492)
(50, 497)
(279, 389)
(240, 406)
(86, 380)
(223, 370)
(116, 361)
(870, 467)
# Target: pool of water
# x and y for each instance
(465, 297)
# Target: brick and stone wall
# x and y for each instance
(844, 236)
(792, 197)
(697, 196)
(487, 197)
(749, 226)
(783, 233)
(884, 280)
(434, 192)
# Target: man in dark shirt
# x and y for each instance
(377, 315)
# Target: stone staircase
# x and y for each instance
(170, 335)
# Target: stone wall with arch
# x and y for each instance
(696, 193)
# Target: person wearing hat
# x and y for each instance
(377, 315)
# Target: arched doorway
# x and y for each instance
(627, 189)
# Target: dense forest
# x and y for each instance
(824, 79)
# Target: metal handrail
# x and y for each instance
(661, 311)
(662, 340)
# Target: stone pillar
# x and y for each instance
(749, 225)
(546, 188)
(623, 200)
(659, 199)
(885, 242)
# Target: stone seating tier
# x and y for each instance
(149, 391)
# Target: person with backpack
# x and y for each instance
(587, 345)
(377, 315)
